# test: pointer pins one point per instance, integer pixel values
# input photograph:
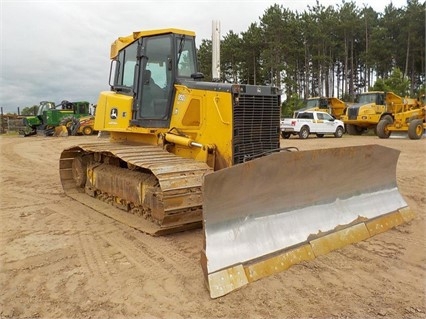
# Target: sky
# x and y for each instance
(59, 50)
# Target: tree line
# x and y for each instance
(326, 51)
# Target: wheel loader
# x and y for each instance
(183, 153)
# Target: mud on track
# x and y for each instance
(60, 259)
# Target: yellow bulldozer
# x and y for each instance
(184, 153)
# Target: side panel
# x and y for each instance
(242, 122)
(53, 117)
(206, 117)
(113, 112)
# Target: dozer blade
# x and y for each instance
(268, 214)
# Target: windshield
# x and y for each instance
(312, 103)
(44, 106)
(367, 98)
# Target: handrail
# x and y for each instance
(218, 111)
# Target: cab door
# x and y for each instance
(155, 87)
(328, 125)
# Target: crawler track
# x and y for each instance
(158, 192)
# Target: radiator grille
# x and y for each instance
(256, 121)
(353, 113)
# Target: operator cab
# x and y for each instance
(147, 70)
(44, 106)
(368, 98)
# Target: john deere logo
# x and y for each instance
(113, 114)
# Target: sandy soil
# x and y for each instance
(60, 259)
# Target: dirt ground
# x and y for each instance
(60, 259)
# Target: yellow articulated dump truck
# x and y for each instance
(331, 105)
(370, 108)
(183, 153)
(410, 119)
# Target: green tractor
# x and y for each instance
(50, 116)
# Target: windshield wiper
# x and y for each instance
(181, 43)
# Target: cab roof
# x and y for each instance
(123, 42)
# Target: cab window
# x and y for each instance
(186, 64)
(126, 66)
(327, 117)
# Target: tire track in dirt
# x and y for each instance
(111, 250)
(94, 260)
(19, 200)
(65, 269)
(136, 247)
(134, 255)
(9, 153)
(24, 156)
(378, 262)
(35, 262)
(22, 152)
(165, 253)
(107, 256)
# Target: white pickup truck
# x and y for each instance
(311, 122)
